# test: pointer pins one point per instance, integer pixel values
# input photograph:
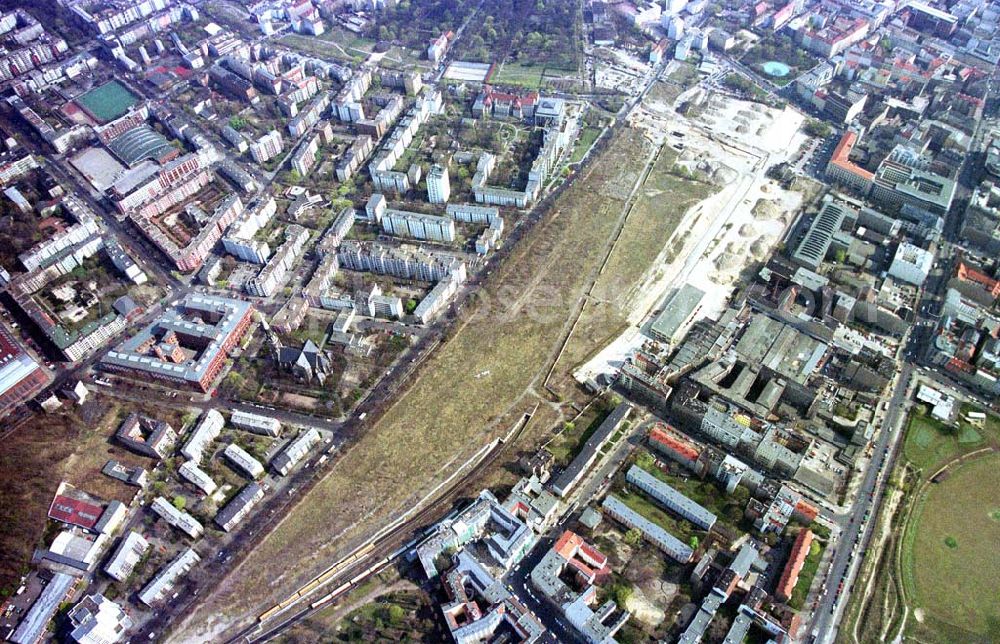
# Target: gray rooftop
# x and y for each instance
(676, 312)
(32, 627)
(572, 473)
(184, 318)
(671, 498)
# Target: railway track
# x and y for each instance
(373, 557)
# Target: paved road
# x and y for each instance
(846, 563)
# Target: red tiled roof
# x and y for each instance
(75, 511)
(842, 157)
(966, 274)
(806, 509)
(673, 443)
(790, 575)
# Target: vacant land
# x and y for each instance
(659, 207)
(348, 48)
(955, 562)
(574, 435)
(373, 613)
(526, 75)
(588, 135)
(482, 374)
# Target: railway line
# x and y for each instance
(374, 556)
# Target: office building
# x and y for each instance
(911, 264)
(679, 312)
(98, 620)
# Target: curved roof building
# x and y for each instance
(142, 143)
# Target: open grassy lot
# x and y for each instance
(659, 206)
(480, 375)
(335, 43)
(953, 561)
(526, 75)
(929, 443)
(588, 135)
(809, 568)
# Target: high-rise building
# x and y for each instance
(438, 185)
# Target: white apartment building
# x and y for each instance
(438, 185)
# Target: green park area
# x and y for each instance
(930, 443)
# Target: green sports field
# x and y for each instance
(107, 102)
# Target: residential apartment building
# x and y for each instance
(438, 185)
(670, 498)
(275, 272)
(668, 543)
(267, 147)
(177, 518)
(418, 226)
(207, 430)
(126, 556)
(239, 507)
(304, 159)
(255, 423)
(165, 579)
(243, 461)
(289, 457)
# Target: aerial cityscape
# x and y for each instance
(500, 321)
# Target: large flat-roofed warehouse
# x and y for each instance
(679, 312)
(188, 344)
